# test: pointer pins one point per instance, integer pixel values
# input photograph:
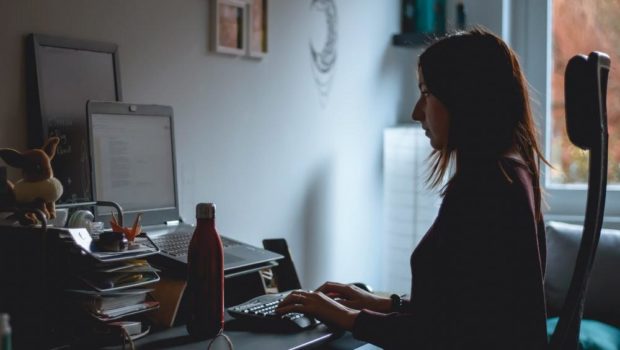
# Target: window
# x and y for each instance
(599, 30)
(546, 34)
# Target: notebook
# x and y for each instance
(132, 163)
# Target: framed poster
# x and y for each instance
(257, 28)
(229, 22)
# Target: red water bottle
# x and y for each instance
(205, 279)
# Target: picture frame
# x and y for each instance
(257, 28)
(229, 18)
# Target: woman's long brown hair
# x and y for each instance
(479, 80)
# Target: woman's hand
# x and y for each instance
(320, 306)
(356, 298)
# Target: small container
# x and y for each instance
(95, 228)
(430, 16)
(460, 15)
(5, 333)
(408, 16)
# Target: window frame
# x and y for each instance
(528, 19)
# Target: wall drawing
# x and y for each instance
(324, 58)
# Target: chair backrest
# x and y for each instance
(285, 272)
(585, 91)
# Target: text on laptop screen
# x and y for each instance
(133, 161)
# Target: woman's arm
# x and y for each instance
(334, 302)
(356, 298)
(394, 330)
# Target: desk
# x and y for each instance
(317, 338)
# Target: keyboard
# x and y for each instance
(177, 243)
(260, 313)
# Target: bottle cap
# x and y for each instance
(205, 211)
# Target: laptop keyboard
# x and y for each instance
(177, 243)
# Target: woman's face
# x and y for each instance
(432, 114)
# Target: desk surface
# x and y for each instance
(320, 337)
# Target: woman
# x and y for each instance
(477, 275)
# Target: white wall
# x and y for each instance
(491, 14)
(251, 135)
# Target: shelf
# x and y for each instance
(413, 39)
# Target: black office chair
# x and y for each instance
(585, 91)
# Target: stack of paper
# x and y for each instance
(115, 290)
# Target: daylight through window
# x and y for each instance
(582, 26)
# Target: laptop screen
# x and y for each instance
(132, 159)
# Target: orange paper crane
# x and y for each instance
(130, 233)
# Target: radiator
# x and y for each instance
(409, 206)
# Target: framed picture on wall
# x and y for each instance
(257, 28)
(229, 26)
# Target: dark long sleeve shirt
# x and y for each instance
(477, 275)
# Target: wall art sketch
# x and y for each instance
(324, 58)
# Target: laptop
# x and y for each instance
(132, 163)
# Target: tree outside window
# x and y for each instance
(582, 26)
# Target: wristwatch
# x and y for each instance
(398, 303)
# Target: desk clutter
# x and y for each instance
(111, 288)
(76, 288)
(112, 283)
(85, 287)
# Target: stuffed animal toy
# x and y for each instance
(38, 187)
